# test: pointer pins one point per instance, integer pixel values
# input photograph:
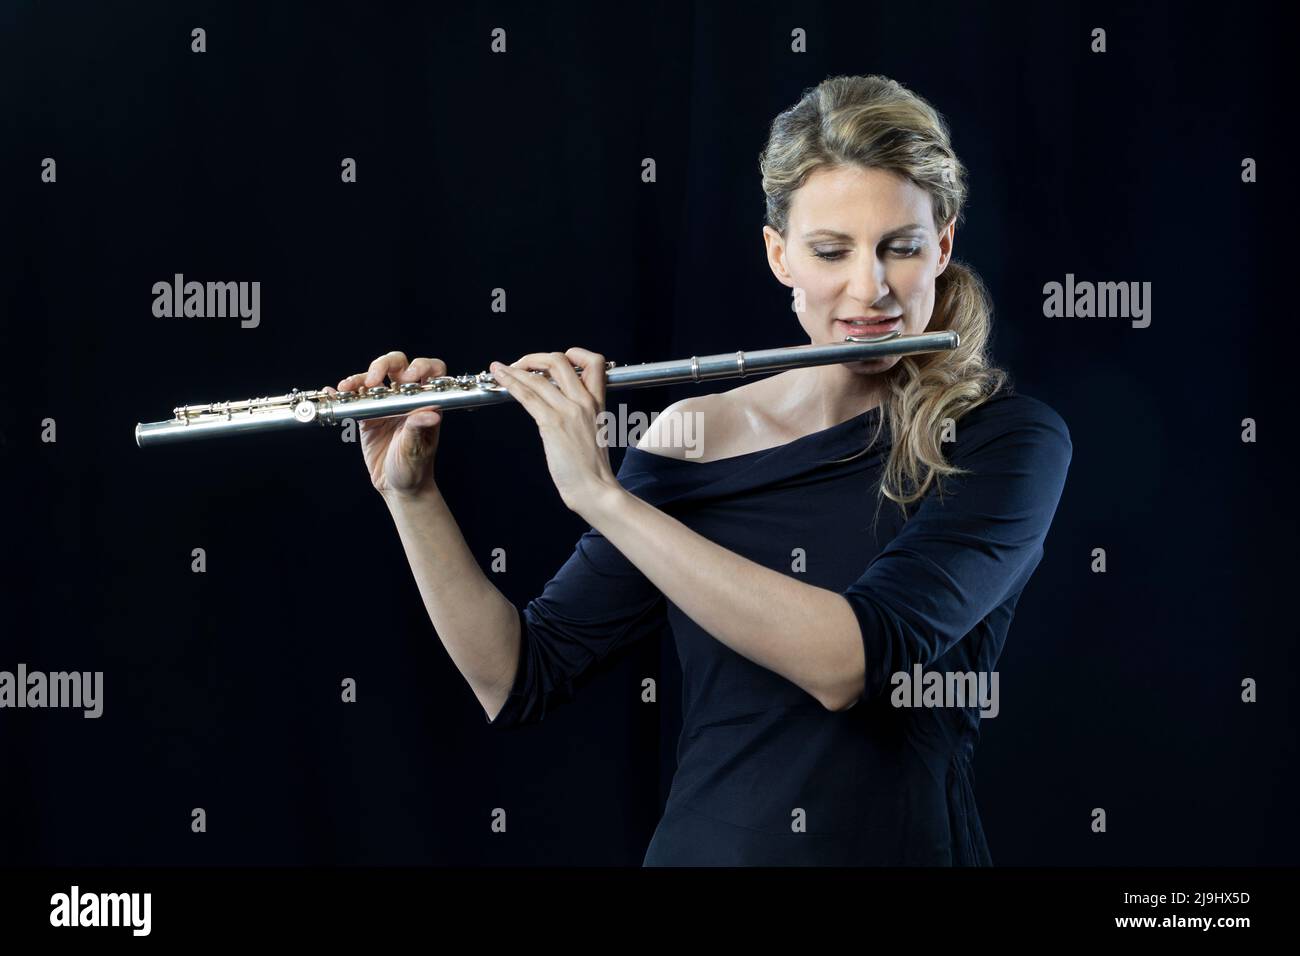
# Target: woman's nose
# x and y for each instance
(867, 283)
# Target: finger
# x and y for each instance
(423, 368)
(562, 373)
(524, 388)
(416, 436)
(531, 369)
(423, 418)
(593, 372)
(420, 369)
(391, 363)
(557, 388)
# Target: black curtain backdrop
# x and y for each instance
(522, 171)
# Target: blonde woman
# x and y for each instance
(804, 613)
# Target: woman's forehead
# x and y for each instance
(853, 200)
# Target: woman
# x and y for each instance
(799, 615)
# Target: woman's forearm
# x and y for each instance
(478, 626)
(808, 635)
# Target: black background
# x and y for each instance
(522, 171)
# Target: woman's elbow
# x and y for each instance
(846, 682)
(841, 699)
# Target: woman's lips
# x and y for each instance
(856, 327)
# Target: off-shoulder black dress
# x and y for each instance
(766, 775)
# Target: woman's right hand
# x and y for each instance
(398, 451)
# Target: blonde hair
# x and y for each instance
(875, 122)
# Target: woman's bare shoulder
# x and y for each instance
(697, 415)
(726, 418)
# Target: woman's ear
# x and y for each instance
(776, 256)
(946, 237)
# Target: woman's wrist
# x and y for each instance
(405, 498)
(602, 502)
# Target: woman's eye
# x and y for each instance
(903, 252)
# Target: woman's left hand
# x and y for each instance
(567, 419)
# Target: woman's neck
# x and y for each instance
(813, 399)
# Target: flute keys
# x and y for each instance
(305, 411)
(377, 391)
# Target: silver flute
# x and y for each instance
(298, 408)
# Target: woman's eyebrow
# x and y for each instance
(834, 234)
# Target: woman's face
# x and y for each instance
(860, 244)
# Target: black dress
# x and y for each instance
(766, 775)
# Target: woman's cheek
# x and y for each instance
(818, 296)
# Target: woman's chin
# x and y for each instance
(872, 366)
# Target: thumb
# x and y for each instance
(417, 433)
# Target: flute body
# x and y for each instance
(298, 409)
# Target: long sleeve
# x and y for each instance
(958, 558)
(596, 604)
